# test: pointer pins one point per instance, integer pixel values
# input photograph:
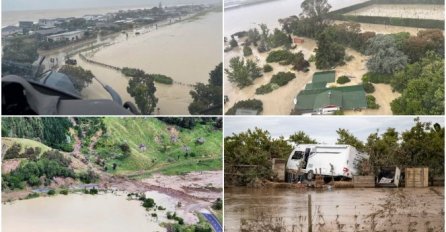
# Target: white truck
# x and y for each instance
(338, 161)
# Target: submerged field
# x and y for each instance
(415, 11)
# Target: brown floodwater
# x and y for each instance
(373, 209)
(185, 51)
(78, 212)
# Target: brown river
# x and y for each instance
(376, 209)
(106, 212)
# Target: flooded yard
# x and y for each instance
(373, 209)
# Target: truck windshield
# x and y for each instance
(297, 155)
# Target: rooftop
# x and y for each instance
(346, 97)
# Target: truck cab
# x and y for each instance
(298, 159)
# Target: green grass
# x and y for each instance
(154, 135)
(26, 143)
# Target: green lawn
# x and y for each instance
(162, 155)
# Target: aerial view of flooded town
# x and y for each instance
(322, 57)
(152, 58)
(111, 174)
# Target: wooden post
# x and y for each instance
(310, 225)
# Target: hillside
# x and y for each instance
(159, 147)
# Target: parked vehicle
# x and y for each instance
(338, 161)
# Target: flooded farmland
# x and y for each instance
(77, 212)
(376, 209)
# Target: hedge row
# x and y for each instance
(404, 22)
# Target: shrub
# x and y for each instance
(247, 51)
(312, 59)
(163, 79)
(233, 43)
(349, 58)
(371, 102)
(13, 151)
(51, 192)
(218, 204)
(148, 203)
(88, 177)
(282, 78)
(343, 79)
(64, 192)
(267, 68)
(338, 112)
(32, 195)
(279, 55)
(264, 89)
(93, 191)
(161, 208)
(377, 78)
(253, 104)
(368, 87)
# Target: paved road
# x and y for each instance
(213, 220)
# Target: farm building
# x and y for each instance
(345, 98)
(298, 40)
(243, 111)
(316, 96)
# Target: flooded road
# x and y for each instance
(77, 212)
(403, 209)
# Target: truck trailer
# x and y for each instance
(306, 160)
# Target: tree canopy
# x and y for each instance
(207, 98)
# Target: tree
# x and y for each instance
(329, 52)
(20, 49)
(247, 51)
(248, 148)
(242, 73)
(279, 38)
(301, 137)
(385, 56)
(80, 77)
(207, 98)
(253, 36)
(345, 137)
(142, 89)
(316, 11)
(423, 87)
(233, 43)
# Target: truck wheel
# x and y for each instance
(310, 175)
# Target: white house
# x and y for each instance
(47, 23)
(69, 36)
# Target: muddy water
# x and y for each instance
(186, 51)
(402, 209)
(77, 212)
(244, 18)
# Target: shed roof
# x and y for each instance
(326, 76)
(317, 85)
(346, 97)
